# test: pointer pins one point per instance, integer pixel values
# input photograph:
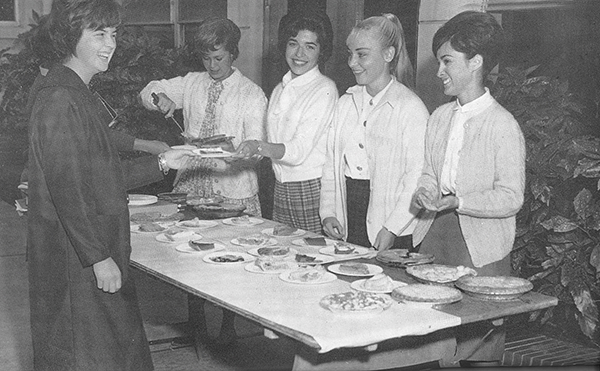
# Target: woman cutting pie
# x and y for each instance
(218, 101)
(473, 181)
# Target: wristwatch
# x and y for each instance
(162, 163)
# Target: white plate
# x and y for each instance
(301, 242)
(251, 222)
(269, 232)
(135, 228)
(185, 247)
(247, 258)
(360, 286)
(140, 200)
(266, 242)
(222, 154)
(326, 278)
(358, 250)
(256, 269)
(163, 238)
(254, 252)
(185, 146)
(320, 259)
(373, 270)
(196, 224)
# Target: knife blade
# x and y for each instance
(155, 102)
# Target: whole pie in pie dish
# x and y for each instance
(495, 288)
(438, 273)
(424, 293)
(356, 302)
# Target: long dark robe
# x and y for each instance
(78, 216)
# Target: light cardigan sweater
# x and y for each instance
(395, 133)
(490, 179)
(299, 115)
(240, 112)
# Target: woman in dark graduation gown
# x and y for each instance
(84, 310)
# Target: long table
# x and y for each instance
(402, 335)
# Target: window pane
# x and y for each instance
(7, 10)
(196, 10)
(146, 11)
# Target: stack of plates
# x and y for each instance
(402, 258)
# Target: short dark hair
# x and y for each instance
(216, 32)
(66, 22)
(316, 22)
(472, 33)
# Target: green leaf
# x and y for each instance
(583, 203)
(595, 258)
(559, 224)
(588, 317)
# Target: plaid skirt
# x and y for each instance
(297, 204)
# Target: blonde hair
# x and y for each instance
(391, 33)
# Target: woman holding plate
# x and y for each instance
(473, 181)
(218, 101)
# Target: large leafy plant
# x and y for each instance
(558, 232)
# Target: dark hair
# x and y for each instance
(391, 33)
(317, 22)
(66, 22)
(216, 32)
(472, 33)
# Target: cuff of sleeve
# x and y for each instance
(460, 203)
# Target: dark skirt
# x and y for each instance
(297, 204)
(358, 193)
(479, 341)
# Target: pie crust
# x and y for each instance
(495, 288)
(423, 293)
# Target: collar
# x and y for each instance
(302, 79)
(379, 95)
(476, 105)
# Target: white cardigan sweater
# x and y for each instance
(395, 149)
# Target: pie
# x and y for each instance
(424, 293)
(301, 258)
(273, 251)
(227, 258)
(268, 264)
(253, 240)
(494, 287)
(354, 268)
(342, 248)
(438, 273)
(244, 219)
(356, 301)
(283, 230)
(201, 246)
(307, 274)
(175, 234)
(150, 227)
(379, 282)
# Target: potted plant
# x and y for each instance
(558, 228)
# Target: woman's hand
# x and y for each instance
(423, 199)
(333, 228)
(447, 203)
(385, 239)
(247, 149)
(108, 275)
(178, 158)
(165, 104)
(151, 146)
